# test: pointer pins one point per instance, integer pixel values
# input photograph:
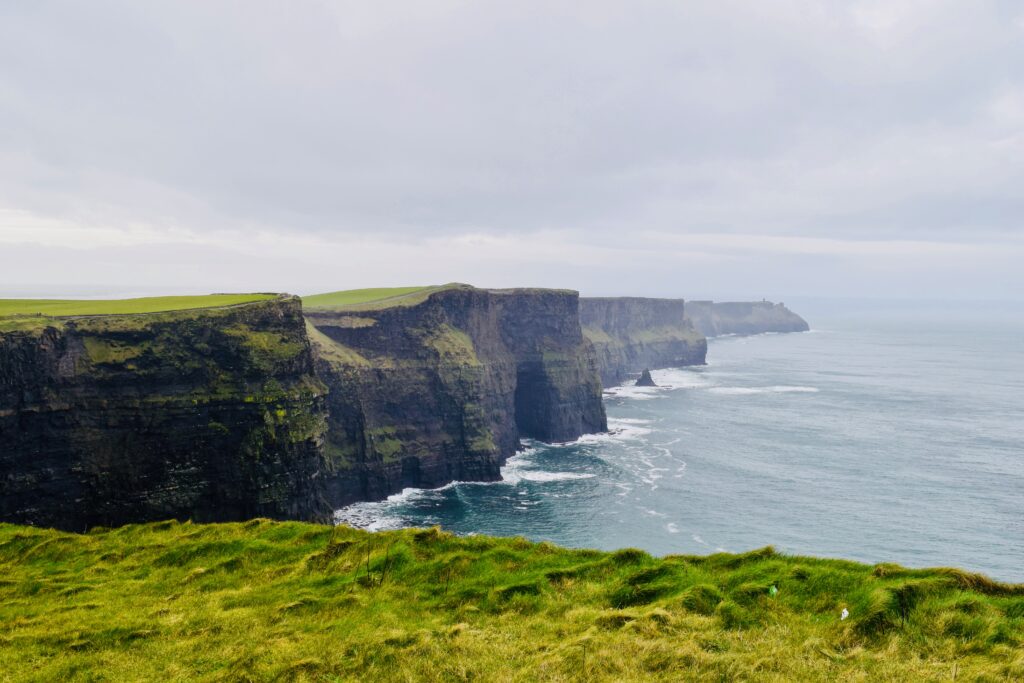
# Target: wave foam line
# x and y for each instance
(749, 391)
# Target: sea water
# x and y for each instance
(890, 438)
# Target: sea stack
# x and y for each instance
(645, 379)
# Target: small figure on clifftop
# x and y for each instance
(645, 379)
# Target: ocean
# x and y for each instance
(894, 437)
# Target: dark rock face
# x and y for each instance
(211, 414)
(442, 390)
(633, 333)
(743, 317)
(645, 379)
(231, 413)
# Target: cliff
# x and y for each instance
(633, 333)
(211, 413)
(743, 317)
(439, 384)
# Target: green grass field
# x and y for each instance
(155, 304)
(354, 299)
(290, 601)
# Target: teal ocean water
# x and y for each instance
(881, 439)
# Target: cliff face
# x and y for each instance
(210, 414)
(630, 334)
(442, 389)
(743, 317)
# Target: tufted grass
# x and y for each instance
(287, 601)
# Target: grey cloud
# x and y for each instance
(897, 119)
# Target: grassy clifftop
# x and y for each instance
(153, 304)
(375, 298)
(291, 601)
(18, 314)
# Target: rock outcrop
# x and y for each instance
(633, 333)
(431, 388)
(743, 318)
(210, 414)
(645, 379)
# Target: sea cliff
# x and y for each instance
(440, 384)
(743, 317)
(207, 414)
(630, 334)
(131, 413)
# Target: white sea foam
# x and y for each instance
(618, 430)
(634, 392)
(748, 391)
(672, 528)
(668, 379)
(542, 476)
(698, 539)
(679, 378)
(376, 516)
(517, 469)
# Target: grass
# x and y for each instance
(333, 351)
(373, 299)
(268, 600)
(155, 304)
(349, 297)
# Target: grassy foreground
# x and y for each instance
(290, 601)
(152, 304)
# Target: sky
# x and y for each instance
(724, 149)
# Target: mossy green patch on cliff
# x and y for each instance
(102, 350)
(451, 344)
(384, 442)
(266, 600)
(666, 333)
(28, 323)
(266, 348)
(341, 454)
(649, 335)
(75, 307)
(483, 442)
(597, 336)
(333, 351)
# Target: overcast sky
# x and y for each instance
(719, 149)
